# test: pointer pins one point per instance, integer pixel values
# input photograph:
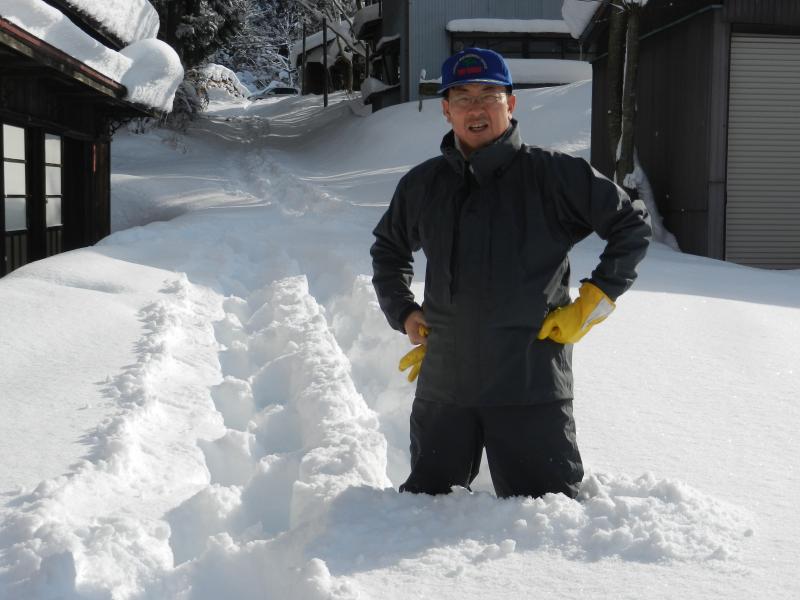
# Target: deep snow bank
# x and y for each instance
(263, 418)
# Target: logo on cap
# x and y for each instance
(469, 64)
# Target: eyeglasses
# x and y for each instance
(464, 102)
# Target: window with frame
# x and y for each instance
(15, 189)
(520, 46)
(53, 179)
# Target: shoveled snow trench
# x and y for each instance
(257, 441)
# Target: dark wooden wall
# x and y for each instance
(671, 125)
(673, 96)
(32, 99)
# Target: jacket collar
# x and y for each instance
(487, 162)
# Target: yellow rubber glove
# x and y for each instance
(414, 358)
(568, 324)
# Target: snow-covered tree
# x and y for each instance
(333, 10)
(259, 51)
(623, 63)
(197, 28)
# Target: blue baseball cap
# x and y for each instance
(475, 65)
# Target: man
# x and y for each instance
(495, 219)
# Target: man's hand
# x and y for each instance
(569, 324)
(417, 328)
(417, 331)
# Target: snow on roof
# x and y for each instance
(548, 70)
(370, 86)
(509, 25)
(578, 13)
(129, 20)
(385, 40)
(154, 75)
(368, 14)
(315, 40)
(149, 68)
(218, 74)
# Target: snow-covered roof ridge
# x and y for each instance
(578, 13)
(370, 86)
(128, 20)
(385, 40)
(509, 25)
(548, 70)
(315, 39)
(150, 69)
(366, 15)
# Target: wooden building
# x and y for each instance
(56, 120)
(717, 124)
(341, 59)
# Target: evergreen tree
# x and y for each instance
(197, 28)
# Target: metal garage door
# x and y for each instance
(763, 208)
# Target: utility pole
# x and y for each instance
(303, 89)
(325, 61)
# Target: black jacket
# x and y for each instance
(496, 232)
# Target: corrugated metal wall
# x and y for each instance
(763, 208)
(429, 42)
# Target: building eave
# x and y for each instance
(596, 25)
(35, 53)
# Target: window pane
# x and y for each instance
(54, 211)
(15, 214)
(508, 48)
(14, 174)
(544, 48)
(13, 142)
(52, 148)
(52, 181)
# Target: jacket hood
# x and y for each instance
(487, 162)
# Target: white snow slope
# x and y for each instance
(206, 404)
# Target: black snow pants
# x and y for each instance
(531, 449)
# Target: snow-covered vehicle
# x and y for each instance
(274, 90)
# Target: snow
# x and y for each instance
(370, 86)
(149, 68)
(578, 14)
(639, 181)
(385, 40)
(366, 15)
(548, 70)
(129, 20)
(154, 75)
(508, 25)
(212, 406)
(314, 43)
(221, 77)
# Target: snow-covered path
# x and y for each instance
(255, 424)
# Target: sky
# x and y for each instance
(207, 403)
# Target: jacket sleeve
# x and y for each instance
(396, 238)
(588, 201)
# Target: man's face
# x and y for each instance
(478, 113)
